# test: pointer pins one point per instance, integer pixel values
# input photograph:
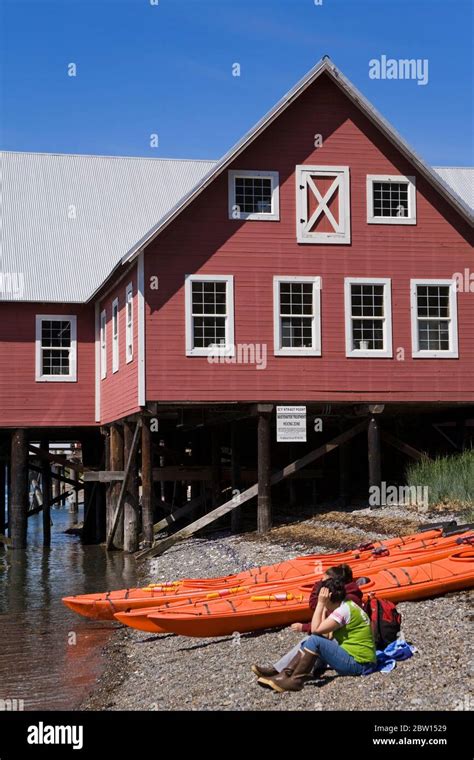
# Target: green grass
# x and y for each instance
(450, 479)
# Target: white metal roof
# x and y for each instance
(67, 220)
(460, 179)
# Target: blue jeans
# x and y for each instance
(333, 655)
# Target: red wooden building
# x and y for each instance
(319, 263)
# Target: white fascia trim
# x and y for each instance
(453, 352)
(278, 350)
(72, 377)
(410, 180)
(103, 343)
(236, 214)
(387, 352)
(99, 369)
(128, 329)
(115, 339)
(342, 236)
(229, 348)
(141, 330)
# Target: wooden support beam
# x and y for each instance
(170, 520)
(3, 514)
(373, 440)
(44, 454)
(215, 467)
(115, 466)
(103, 476)
(251, 492)
(236, 515)
(19, 489)
(47, 495)
(131, 528)
(264, 506)
(58, 478)
(131, 453)
(405, 448)
(147, 484)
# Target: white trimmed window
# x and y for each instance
(297, 316)
(103, 344)
(254, 195)
(129, 322)
(368, 308)
(323, 204)
(56, 348)
(434, 321)
(391, 199)
(115, 335)
(209, 315)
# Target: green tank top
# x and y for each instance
(356, 636)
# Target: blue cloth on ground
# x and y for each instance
(387, 658)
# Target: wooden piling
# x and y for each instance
(215, 467)
(147, 484)
(264, 507)
(373, 440)
(236, 514)
(113, 489)
(130, 506)
(46, 492)
(18, 516)
(3, 478)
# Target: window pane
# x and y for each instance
(433, 301)
(208, 331)
(253, 195)
(367, 334)
(390, 199)
(296, 332)
(55, 362)
(433, 335)
(367, 300)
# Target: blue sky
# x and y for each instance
(166, 69)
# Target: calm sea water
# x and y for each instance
(50, 657)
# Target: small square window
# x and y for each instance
(391, 199)
(254, 195)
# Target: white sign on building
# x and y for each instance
(291, 424)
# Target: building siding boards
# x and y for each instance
(119, 390)
(27, 403)
(204, 240)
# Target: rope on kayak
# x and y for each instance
(392, 575)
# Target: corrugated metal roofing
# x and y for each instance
(460, 179)
(67, 220)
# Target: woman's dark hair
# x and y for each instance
(340, 572)
(337, 589)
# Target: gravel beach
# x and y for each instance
(167, 672)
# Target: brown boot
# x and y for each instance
(263, 671)
(295, 676)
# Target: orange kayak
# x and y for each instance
(141, 618)
(103, 606)
(251, 612)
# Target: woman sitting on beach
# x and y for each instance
(353, 592)
(351, 651)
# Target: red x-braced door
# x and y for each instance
(323, 204)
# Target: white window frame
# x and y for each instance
(280, 350)
(103, 344)
(234, 213)
(341, 181)
(410, 219)
(39, 376)
(115, 335)
(453, 352)
(129, 322)
(387, 352)
(229, 348)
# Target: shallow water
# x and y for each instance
(50, 657)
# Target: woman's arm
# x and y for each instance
(327, 626)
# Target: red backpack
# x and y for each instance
(385, 621)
